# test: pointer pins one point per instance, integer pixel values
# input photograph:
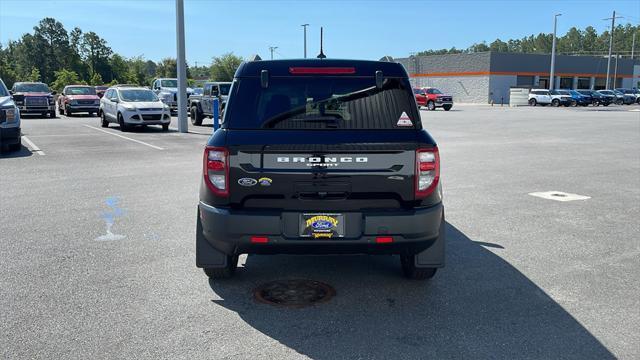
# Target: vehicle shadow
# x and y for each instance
(479, 306)
(23, 152)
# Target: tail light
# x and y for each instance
(427, 171)
(216, 170)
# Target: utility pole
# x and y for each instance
(305, 39)
(633, 45)
(615, 72)
(182, 70)
(552, 74)
(271, 49)
(613, 24)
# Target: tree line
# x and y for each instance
(57, 57)
(574, 42)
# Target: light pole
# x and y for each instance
(613, 24)
(271, 49)
(305, 39)
(553, 53)
(182, 71)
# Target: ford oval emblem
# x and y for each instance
(322, 225)
(247, 182)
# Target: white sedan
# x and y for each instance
(131, 106)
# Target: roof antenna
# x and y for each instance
(321, 55)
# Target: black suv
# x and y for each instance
(321, 157)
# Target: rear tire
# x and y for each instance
(555, 103)
(533, 102)
(165, 127)
(223, 272)
(619, 102)
(410, 270)
(196, 117)
(574, 103)
(52, 114)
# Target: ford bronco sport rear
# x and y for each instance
(321, 157)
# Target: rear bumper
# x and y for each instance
(230, 232)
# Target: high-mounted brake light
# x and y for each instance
(427, 171)
(322, 70)
(216, 170)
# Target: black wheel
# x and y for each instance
(605, 104)
(67, 111)
(52, 114)
(410, 270)
(91, 113)
(196, 117)
(574, 103)
(165, 127)
(446, 107)
(431, 105)
(103, 120)
(223, 272)
(123, 126)
(17, 146)
(533, 102)
(555, 102)
(619, 102)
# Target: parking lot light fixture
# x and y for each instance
(553, 53)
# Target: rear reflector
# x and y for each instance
(322, 70)
(259, 239)
(384, 239)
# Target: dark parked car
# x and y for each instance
(611, 96)
(100, 90)
(631, 92)
(578, 98)
(10, 135)
(34, 98)
(597, 98)
(321, 156)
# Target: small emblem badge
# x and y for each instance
(247, 182)
(404, 120)
(265, 181)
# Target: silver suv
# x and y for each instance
(9, 121)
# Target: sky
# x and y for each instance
(352, 29)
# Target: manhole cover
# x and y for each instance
(294, 293)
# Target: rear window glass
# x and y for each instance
(322, 103)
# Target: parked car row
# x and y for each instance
(583, 97)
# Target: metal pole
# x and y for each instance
(613, 22)
(305, 39)
(271, 48)
(615, 72)
(182, 71)
(553, 53)
(633, 45)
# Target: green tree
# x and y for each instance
(499, 46)
(167, 68)
(96, 79)
(35, 75)
(52, 42)
(65, 77)
(95, 53)
(224, 67)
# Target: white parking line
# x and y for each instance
(34, 148)
(124, 137)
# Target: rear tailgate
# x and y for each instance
(374, 173)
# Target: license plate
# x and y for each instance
(322, 226)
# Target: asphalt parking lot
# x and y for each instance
(526, 277)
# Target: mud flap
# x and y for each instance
(206, 255)
(433, 257)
